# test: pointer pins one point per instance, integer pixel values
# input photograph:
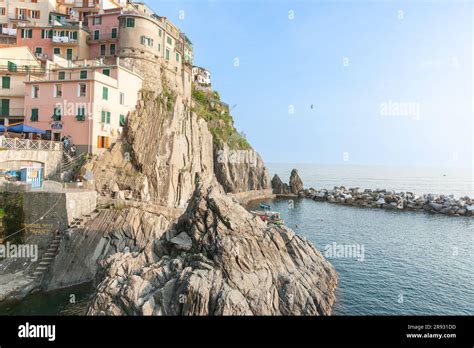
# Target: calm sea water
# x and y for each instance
(459, 182)
(414, 263)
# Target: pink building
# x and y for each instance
(66, 41)
(86, 100)
(104, 33)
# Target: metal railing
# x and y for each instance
(26, 69)
(28, 144)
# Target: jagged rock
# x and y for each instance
(240, 170)
(237, 266)
(182, 242)
(296, 184)
(279, 187)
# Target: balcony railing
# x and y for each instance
(9, 31)
(103, 37)
(63, 40)
(12, 112)
(27, 144)
(25, 69)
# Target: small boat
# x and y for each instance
(265, 206)
(271, 217)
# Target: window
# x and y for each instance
(39, 50)
(105, 93)
(81, 113)
(26, 33)
(34, 114)
(130, 23)
(147, 41)
(74, 35)
(106, 72)
(12, 67)
(167, 55)
(83, 74)
(177, 56)
(122, 121)
(96, 34)
(102, 50)
(81, 90)
(69, 53)
(97, 21)
(6, 82)
(160, 32)
(169, 40)
(105, 117)
(35, 92)
(57, 51)
(44, 34)
(57, 113)
(114, 33)
(102, 142)
(5, 107)
(158, 47)
(35, 14)
(62, 75)
(2, 11)
(58, 91)
(122, 98)
(112, 49)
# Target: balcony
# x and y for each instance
(23, 69)
(103, 37)
(9, 32)
(12, 112)
(63, 41)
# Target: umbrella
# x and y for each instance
(2, 128)
(21, 128)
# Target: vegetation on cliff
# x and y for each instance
(208, 106)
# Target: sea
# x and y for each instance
(393, 262)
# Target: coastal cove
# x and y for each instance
(413, 264)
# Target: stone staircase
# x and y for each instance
(50, 254)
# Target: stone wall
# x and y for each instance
(49, 160)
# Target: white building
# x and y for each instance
(201, 78)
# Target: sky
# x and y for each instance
(334, 82)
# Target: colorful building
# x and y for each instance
(86, 100)
(16, 65)
(104, 33)
(201, 78)
(67, 41)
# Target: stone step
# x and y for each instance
(41, 268)
(48, 258)
(44, 263)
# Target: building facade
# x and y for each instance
(88, 101)
(16, 64)
(202, 78)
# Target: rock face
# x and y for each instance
(296, 185)
(279, 187)
(218, 259)
(240, 170)
(111, 231)
(165, 150)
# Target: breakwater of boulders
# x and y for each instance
(386, 199)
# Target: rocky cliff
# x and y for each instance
(218, 259)
(295, 187)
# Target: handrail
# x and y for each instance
(31, 145)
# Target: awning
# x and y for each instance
(21, 128)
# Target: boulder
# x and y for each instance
(296, 184)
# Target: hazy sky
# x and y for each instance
(390, 82)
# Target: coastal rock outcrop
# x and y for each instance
(296, 184)
(381, 198)
(240, 170)
(279, 187)
(218, 259)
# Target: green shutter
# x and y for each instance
(12, 67)
(83, 74)
(106, 72)
(34, 115)
(103, 117)
(130, 22)
(57, 51)
(74, 35)
(62, 75)
(81, 114)
(112, 49)
(108, 117)
(6, 82)
(96, 34)
(105, 93)
(114, 33)
(5, 107)
(57, 113)
(122, 121)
